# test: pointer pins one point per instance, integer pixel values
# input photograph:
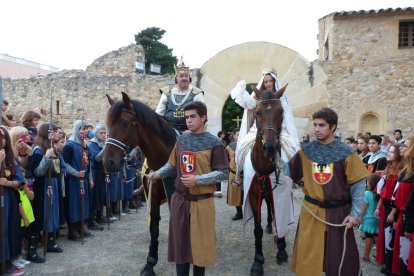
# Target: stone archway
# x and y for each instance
(370, 123)
(306, 91)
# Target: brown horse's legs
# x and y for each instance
(269, 227)
(255, 203)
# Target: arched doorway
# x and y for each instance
(248, 60)
(370, 123)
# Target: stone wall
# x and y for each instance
(367, 73)
(82, 93)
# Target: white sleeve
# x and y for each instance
(160, 110)
(241, 96)
(199, 97)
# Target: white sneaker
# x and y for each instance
(23, 261)
(18, 264)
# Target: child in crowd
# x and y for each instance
(369, 223)
(30, 120)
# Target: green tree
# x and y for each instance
(155, 51)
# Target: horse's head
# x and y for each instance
(269, 118)
(122, 135)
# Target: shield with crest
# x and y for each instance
(322, 173)
(188, 162)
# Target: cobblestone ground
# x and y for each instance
(122, 249)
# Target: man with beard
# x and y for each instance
(172, 100)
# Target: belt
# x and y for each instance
(190, 197)
(327, 203)
(233, 172)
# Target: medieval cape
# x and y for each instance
(234, 193)
(192, 229)
(328, 171)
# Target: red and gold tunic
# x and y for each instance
(192, 229)
(327, 171)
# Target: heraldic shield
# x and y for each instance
(188, 162)
(322, 173)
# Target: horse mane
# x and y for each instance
(147, 118)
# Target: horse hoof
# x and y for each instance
(281, 257)
(147, 270)
(269, 229)
(257, 269)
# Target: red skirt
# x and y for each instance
(381, 240)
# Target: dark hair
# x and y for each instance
(372, 181)
(262, 87)
(220, 133)
(10, 117)
(43, 136)
(351, 139)
(199, 107)
(398, 130)
(236, 130)
(365, 138)
(28, 117)
(5, 102)
(328, 115)
(376, 138)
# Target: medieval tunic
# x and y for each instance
(13, 233)
(328, 171)
(39, 166)
(234, 193)
(74, 156)
(97, 196)
(192, 222)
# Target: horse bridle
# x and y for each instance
(269, 127)
(260, 132)
(114, 142)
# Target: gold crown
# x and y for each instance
(269, 71)
(181, 68)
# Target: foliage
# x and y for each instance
(231, 110)
(155, 51)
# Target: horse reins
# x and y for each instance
(114, 142)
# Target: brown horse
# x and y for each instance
(264, 157)
(132, 123)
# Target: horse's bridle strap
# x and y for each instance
(116, 143)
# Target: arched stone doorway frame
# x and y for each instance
(380, 113)
(375, 129)
(306, 91)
